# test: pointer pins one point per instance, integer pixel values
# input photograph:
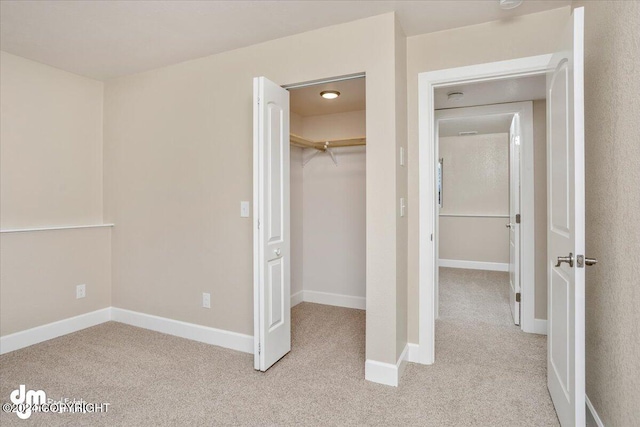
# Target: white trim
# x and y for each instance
(594, 414)
(191, 331)
(474, 265)
(413, 354)
(64, 227)
(539, 326)
(386, 373)
(323, 81)
(205, 334)
(401, 364)
(335, 299)
(297, 298)
(49, 331)
(474, 215)
(427, 82)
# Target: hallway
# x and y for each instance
(495, 367)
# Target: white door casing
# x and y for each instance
(514, 218)
(272, 241)
(566, 230)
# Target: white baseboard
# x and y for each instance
(594, 414)
(540, 326)
(402, 361)
(412, 353)
(49, 331)
(474, 265)
(386, 373)
(191, 331)
(297, 298)
(335, 299)
(205, 334)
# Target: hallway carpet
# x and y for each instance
(487, 372)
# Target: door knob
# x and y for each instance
(508, 225)
(567, 259)
(277, 251)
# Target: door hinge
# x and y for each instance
(258, 224)
(259, 348)
(432, 237)
(258, 100)
(517, 218)
(518, 297)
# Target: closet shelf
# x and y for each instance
(298, 141)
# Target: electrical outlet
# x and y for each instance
(206, 300)
(81, 291)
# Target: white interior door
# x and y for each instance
(514, 218)
(566, 240)
(272, 241)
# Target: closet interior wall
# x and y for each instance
(328, 218)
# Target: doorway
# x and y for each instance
(490, 169)
(564, 73)
(428, 157)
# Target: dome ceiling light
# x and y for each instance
(329, 94)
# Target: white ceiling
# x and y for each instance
(493, 92)
(482, 124)
(106, 39)
(308, 102)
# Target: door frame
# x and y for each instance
(257, 201)
(427, 151)
(527, 227)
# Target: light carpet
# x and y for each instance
(487, 372)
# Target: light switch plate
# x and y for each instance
(403, 206)
(244, 209)
(401, 156)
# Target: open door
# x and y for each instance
(272, 241)
(566, 229)
(514, 218)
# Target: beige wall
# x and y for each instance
(476, 174)
(401, 183)
(464, 239)
(476, 182)
(612, 85)
(39, 272)
(51, 146)
(335, 223)
(297, 217)
(50, 175)
(178, 159)
(324, 127)
(527, 35)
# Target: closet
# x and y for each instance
(328, 184)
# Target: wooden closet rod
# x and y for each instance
(298, 141)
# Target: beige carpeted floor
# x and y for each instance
(487, 372)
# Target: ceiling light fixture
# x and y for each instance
(468, 133)
(329, 94)
(509, 4)
(455, 96)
